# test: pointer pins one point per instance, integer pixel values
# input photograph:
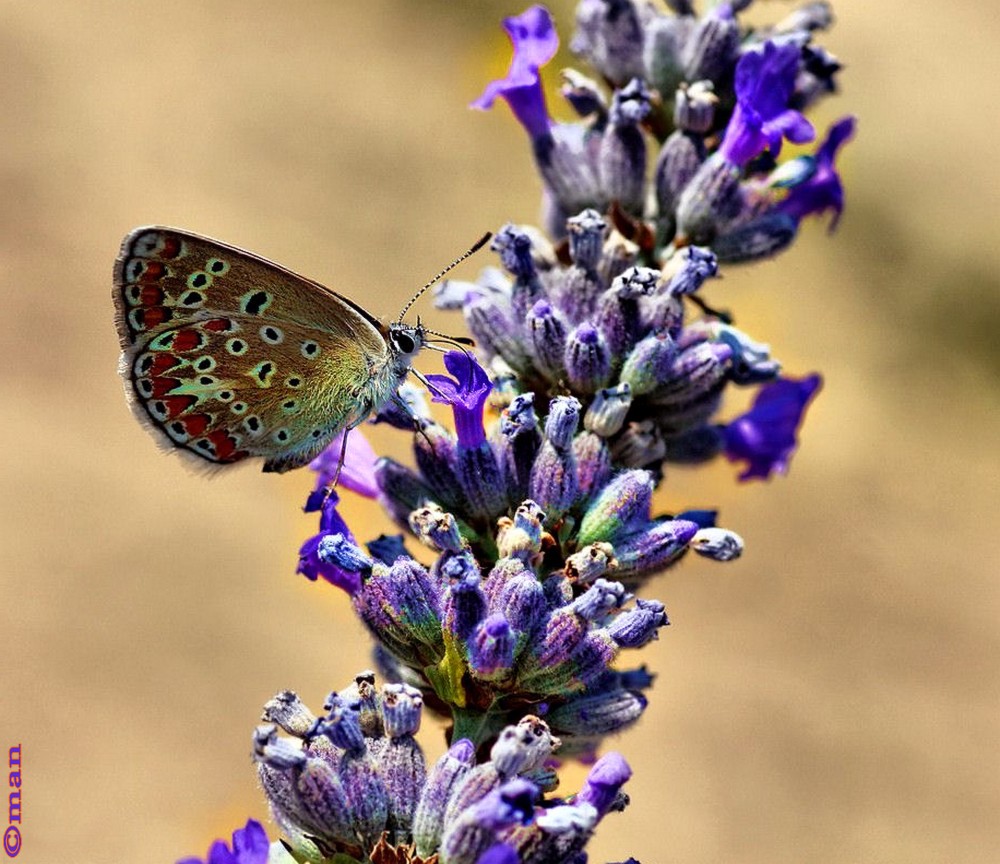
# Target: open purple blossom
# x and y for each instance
(823, 190)
(311, 564)
(357, 473)
(466, 393)
(765, 81)
(249, 846)
(535, 41)
(766, 435)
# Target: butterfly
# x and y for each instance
(227, 356)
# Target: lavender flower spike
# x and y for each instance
(765, 435)
(765, 80)
(535, 41)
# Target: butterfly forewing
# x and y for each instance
(229, 355)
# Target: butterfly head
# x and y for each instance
(405, 342)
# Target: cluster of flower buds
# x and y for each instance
(713, 97)
(615, 334)
(353, 785)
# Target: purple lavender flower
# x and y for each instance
(766, 435)
(249, 846)
(466, 393)
(357, 473)
(822, 191)
(535, 42)
(765, 80)
(313, 564)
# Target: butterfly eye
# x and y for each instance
(404, 343)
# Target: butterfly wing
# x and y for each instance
(229, 356)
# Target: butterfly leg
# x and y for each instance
(418, 422)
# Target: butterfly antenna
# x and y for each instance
(479, 244)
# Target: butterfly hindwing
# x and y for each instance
(230, 356)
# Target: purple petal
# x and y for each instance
(823, 190)
(764, 82)
(535, 41)
(466, 393)
(357, 473)
(765, 437)
(250, 843)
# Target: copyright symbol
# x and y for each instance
(12, 841)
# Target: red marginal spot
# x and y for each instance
(187, 340)
(163, 362)
(151, 295)
(155, 315)
(151, 271)
(196, 424)
(178, 404)
(224, 445)
(171, 246)
(162, 386)
(218, 325)
(235, 456)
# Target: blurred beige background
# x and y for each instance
(832, 697)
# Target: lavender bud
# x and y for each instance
(618, 309)
(604, 781)
(622, 160)
(718, 544)
(680, 157)
(387, 548)
(434, 451)
(617, 256)
(513, 244)
(447, 772)
(553, 477)
(436, 529)
(712, 197)
(401, 709)
(289, 712)
(689, 268)
(694, 107)
(649, 363)
(588, 360)
(666, 37)
(474, 831)
(479, 475)
(603, 713)
(522, 602)
(521, 537)
(606, 414)
(523, 747)
(696, 372)
(583, 94)
(609, 36)
(760, 238)
(492, 326)
(640, 445)
(637, 626)
(337, 550)
(464, 608)
(620, 508)
(586, 238)
(547, 332)
(711, 51)
(589, 563)
(402, 490)
(599, 599)
(593, 461)
(653, 549)
(491, 650)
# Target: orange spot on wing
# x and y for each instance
(163, 362)
(225, 446)
(196, 424)
(152, 271)
(151, 295)
(153, 316)
(171, 246)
